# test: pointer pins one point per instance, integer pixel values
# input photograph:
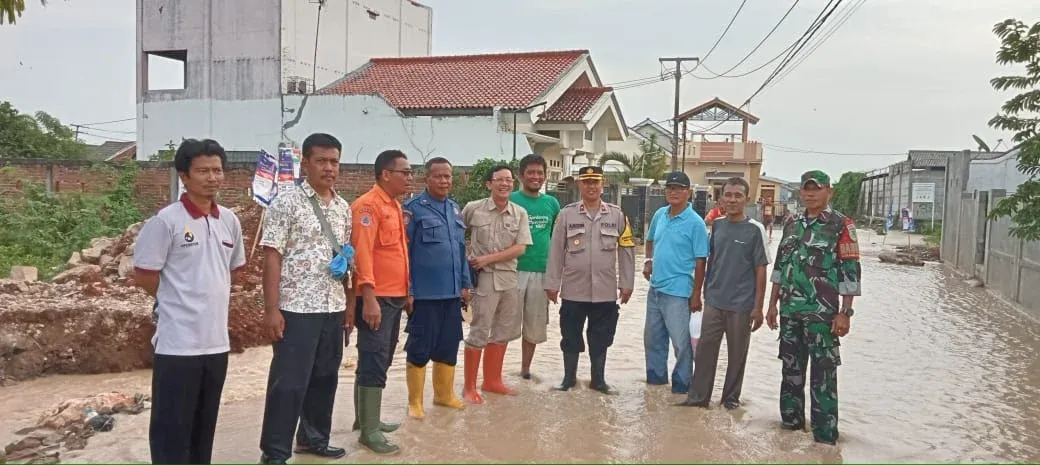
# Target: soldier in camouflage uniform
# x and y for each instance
(817, 265)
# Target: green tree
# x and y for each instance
(650, 162)
(11, 10)
(470, 186)
(39, 136)
(166, 154)
(1020, 45)
(846, 194)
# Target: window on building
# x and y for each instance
(166, 70)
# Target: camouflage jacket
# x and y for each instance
(816, 262)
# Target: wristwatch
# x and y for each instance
(847, 312)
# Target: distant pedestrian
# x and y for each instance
(678, 240)
(305, 306)
(591, 262)
(542, 210)
(440, 283)
(767, 218)
(382, 282)
(816, 276)
(499, 233)
(184, 258)
(734, 297)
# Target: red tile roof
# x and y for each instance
(510, 80)
(574, 103)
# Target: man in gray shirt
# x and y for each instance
(734, 294)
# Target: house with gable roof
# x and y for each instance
(468, 107)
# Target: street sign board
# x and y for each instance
(923, 192)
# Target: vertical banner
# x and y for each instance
(265, 186)
(286, 167)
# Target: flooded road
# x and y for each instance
(934, 371)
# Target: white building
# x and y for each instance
(241, 58)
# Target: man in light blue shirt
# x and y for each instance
(678, 239)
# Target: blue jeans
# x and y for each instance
(668, 317)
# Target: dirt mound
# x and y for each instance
(92, 319)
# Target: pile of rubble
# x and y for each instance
(69, 425)
(91, 318)
(910, 255)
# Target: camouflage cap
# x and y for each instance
(816, 177)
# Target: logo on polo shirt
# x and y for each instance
(189, 238)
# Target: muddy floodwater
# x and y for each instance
(934, 371)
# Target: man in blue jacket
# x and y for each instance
(440, 282)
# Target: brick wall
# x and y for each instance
(153, 188)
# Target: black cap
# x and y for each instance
(590, 172)
(677, 178)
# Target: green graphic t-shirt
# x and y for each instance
(541, 211)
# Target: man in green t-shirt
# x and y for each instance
(541, 211)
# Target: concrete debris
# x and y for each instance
(91, 318)
(81, 273)
(69, 425)
(25, 273)
(13, 286)
(900, 258)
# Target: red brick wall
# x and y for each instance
(152, 189)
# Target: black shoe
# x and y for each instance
(327, 451)
(266, 459)
(731, 404)
(570, 372)
(692, 403)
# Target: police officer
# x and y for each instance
(440, 282)
(591, 243)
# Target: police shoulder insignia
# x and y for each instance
(625, 240)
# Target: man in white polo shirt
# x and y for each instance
(184, 258)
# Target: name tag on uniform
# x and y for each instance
(576, 226)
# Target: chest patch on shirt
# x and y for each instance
(189, 238)
(575, 225)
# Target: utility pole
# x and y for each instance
(77, 131)
(675, 115)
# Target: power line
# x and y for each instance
(759, 45)
(849, 10)
(724, 32)
(639, 82)
(108, 122)
(820, 20)
(104, 137)
(112, 131)
(757, 69)
(781, 148)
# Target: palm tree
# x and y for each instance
(11, 10)
(649, 163)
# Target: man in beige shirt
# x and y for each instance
(591, 257)
(499, 233)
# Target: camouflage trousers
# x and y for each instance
(802, 341)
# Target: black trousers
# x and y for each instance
(434, 332)
(602, 318)
(376, 348)
(301, 386)
(185, 401)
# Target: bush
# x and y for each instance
(43, 231)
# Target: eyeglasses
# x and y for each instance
(502, 180)
(406, 173)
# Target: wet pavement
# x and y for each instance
(934, 371)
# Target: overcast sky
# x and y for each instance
(897, 75)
